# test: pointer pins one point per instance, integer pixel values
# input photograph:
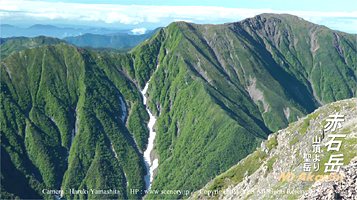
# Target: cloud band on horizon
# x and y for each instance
(134, 15)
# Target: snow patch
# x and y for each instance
(150, 165)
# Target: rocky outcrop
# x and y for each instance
(344, 189)
(257, 176)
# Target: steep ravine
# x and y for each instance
(150, 163)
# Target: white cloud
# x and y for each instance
(138, 31)
(50, 9)
(183, 20)
(135, 14)
(8, 7)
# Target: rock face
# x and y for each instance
(345, 189)
(257, 176)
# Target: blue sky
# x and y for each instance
(303, 5)
(139, 14)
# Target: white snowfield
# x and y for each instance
(150, 165)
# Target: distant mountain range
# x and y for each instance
(112, 41)
(53, 31)
(16, 44)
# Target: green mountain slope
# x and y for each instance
(257, 176)
(217, 92)
(3, 40)
(124, 49)
(16, 44)
(220, 89)
(62, 122)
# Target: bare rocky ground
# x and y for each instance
(286, 155)
(345, 189)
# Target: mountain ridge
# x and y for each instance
(283, 152)
(17, 44)
(204, 55)
(217, 93)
